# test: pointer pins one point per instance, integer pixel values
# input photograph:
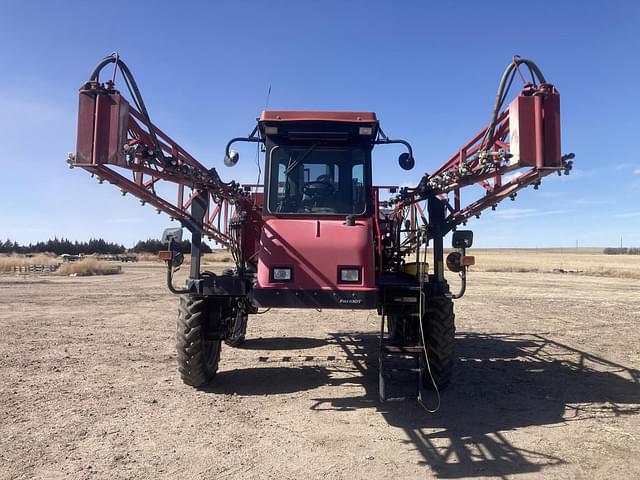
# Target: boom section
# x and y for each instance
(517, 149)
(119, 144)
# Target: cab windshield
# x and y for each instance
(317, 180)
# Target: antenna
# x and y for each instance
(266, 103)
(266, 106)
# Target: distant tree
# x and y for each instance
(621, 251)
(63, 245)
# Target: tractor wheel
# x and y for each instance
(238, 330)
(198, 356)
(439, 331)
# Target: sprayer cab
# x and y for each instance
(318, 163)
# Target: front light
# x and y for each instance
(350, 275)
(281, 274)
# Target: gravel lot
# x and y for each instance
(547, 386)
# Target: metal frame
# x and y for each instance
(114, 137)
(534, 115)
(192, 179)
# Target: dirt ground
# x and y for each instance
(547, 386)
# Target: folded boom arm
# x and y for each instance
(519, 147)
(115, 137)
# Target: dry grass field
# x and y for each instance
(547, 384)
(9, 262)
(89, 266)
(585, 261)
(84, 267)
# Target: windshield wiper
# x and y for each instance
(292, 165)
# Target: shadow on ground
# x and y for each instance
(269, 380)
(502, 382)
(283, 343)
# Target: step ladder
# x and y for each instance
(401, 296)
(395, 360)
(395, 356)
(398, 351)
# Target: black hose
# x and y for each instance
(503, 89)
(463, 285)
(135, 93)
(173, 289)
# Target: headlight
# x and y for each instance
(281, 274)
(349, 275)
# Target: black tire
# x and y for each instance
(198, 356)
(238, 330)
(439, 331)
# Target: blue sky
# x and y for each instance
(428, 69)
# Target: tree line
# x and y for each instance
(61, 246)
(621, 251)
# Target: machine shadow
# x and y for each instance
(502, 382)
(269, 380)
(283, 343)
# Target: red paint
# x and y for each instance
(298, 116)
(102, 128)
(315, 259)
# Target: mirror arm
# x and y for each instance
(463, 279)
(170, 286)
(386, 141)
(251, 138)
(463, 284)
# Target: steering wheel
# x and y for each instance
(318, 187)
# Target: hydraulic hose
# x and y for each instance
(135, 92)
(503, 88)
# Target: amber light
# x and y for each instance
(165, 255)
(468, 260)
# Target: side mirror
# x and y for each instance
(172, 255)
(462, 239)
(231, 158)
(172, 233)
(406, 161)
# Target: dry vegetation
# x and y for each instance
(147, 257)
(89, 266)
(217, 256)
(10, 262)
(571, 261)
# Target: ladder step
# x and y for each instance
(397, 349)
(394, 348)
(399, 370)
(397, 342)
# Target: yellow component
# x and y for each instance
(412, 268)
